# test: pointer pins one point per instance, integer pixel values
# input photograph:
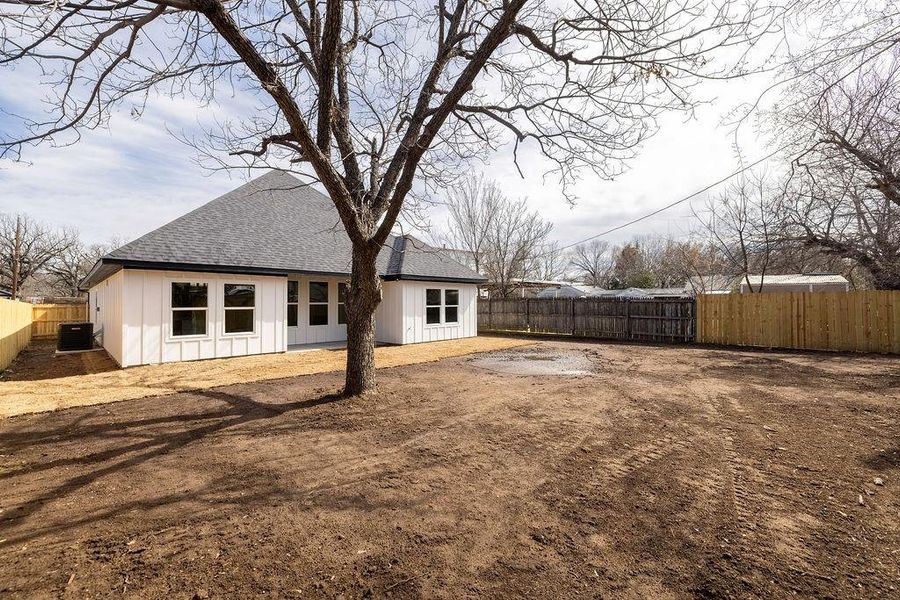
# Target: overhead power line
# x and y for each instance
(679, 201)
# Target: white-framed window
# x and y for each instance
(441, 306)
(342, 306)
(189, 308)
(451, 306)
(318, 303)
(239, 302)
(433, 306)
(293, 303)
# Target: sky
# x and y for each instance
(130, 178)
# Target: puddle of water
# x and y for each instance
(551, 362)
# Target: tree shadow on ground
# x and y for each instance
(241, 410)
(886, 460)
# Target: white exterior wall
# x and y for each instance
(305, 333)
(147, 318)
(389, 314)
(407, 325)
(106, 308)
(135, 316)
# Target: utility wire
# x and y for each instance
(679, 201)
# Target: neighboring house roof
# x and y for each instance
(711, 284)
(672, 292)
(273, 225)
(796, 279)
(5, 292)
(572, 291)
(626, 293)
(589, 291)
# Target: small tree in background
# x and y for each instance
(507, 241)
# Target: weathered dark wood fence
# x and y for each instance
(659, 320)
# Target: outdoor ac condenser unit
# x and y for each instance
(75, 336)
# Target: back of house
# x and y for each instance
(263, 269)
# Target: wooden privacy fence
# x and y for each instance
(15, 329)
(659, 320)
(46, 318)
(865, 321)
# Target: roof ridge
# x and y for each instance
(398, 252)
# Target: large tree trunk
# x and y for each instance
(363, 297)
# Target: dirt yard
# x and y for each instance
(40, 380)
(642, 471)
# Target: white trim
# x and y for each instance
(326, 304)
(170, 323)
(442, 307)
(255, 308)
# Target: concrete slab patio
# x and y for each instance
(101, 383)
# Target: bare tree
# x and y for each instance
(26, 247)
(515, 237)
(71, 265)
(593, 262)
(744, 224)
(370, 96)
(549, 264)
(843, 195)
(473, 204)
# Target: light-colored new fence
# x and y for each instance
(663, 320)
(47, 318)
(15, 329)
(864, 321)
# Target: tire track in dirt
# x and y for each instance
(761, 521)
(737, 472)
(636, 458)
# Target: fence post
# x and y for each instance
(572, 301)
(490, 314)
(527, 316)
(627, 319)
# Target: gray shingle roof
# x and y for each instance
(273, 224)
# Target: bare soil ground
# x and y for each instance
(663, 472)
(40, 380)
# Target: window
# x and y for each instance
(240, 305)
(441, 303)
(318, 303)
(451, 306)
(189, 304)
(293, 303)
(432, 306)
(342, 309)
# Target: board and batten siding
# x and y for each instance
(105, 311)
(389, 323)
(305, 333)
(415, 330)
(147, 318)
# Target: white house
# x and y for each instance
(263, 269)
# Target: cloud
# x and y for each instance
(135, 176)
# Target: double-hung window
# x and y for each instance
(451, 306)
(240, 307)
(293, 302)
(189, 308)
(441, 306)
(318, 303)
(342, 304)
(432, 306)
